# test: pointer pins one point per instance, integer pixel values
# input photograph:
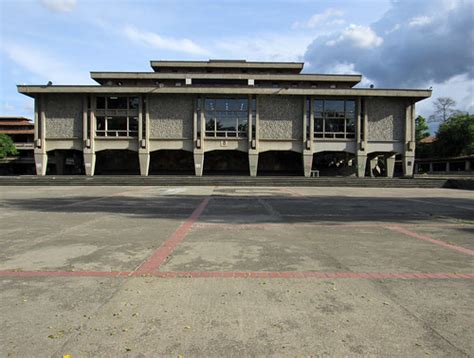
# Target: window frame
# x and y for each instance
(324, 120)
(210, 115)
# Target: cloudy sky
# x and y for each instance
(398, 43)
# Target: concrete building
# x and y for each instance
(21, 131)
(225, 116)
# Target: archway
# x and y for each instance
(280, 163)
(117, 162)
(166, 162)
(335, 163)
(226, 162)
(65, 162)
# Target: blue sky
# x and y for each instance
(403, 43)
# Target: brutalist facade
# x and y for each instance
(196, 109)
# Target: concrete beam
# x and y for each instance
(414, 94)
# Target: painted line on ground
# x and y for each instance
(154, 262)
(244, 274)
(409, 233)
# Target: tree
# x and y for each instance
(421, 128)
(444, 108)
(7, 147)
(456, 136)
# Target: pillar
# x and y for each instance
(144, 159)
(198, 163)
(253, 163)
(307, 163)
(89, 163)
(41, 162)
(408, 164)
(467, 165)
(361, 158)
(447, 167)
(390, 165)
(430, 170)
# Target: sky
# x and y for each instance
(392, 43)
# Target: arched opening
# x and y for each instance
(117, 162)
(166, 162)
(335, 163)
(226, 162)
(65, 162)
(280, 163)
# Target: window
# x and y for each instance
(226, 117)
(334, 118)
(117, 116)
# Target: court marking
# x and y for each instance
(154, 262)
(399, 229)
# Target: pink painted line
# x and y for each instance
(409, 233)
(62, 274)
(154, 262)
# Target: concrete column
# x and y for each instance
(89, 163)
(59, 161)
(144, 159)
(467, 165)
(373, 165)
(390, 165)
(307, 163)
(447, 167)
(430, 170)
(198, 163)
(408, 164)
(253, 163)
(361, 158)
(41, 162)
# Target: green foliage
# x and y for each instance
(421, 128)
(7, 147)
(456, 136)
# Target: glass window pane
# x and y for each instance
(334, 106)
(209, 123)
(117, 102)
(100, 121)
(133, 102)
(133, 124)
(350, 109)
(210, 104)
(100, 103)
(318, 125)
(117, 123)
(225, 123)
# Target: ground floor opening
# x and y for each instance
(226, 162)
(167, 162)
(280, 163)
(117, 162)
(335, 163)
(65, 162)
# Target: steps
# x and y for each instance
(223, 181)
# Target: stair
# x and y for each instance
(223, 181)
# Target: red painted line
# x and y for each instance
(154, 262)
(429, 239)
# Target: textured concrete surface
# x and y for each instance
(151, 271)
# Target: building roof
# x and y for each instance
(354, 92)
(292, 67)
(429, 139)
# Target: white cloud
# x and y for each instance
(163, 42)
(393, 29)
(45, 66)
(7, 107)
(59, 5)
(420, 21)
(318, 19)
(358, 36)
(264, 47)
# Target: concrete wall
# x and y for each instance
(63, 116)
(281, 117)
(171, 116)
(386, 118)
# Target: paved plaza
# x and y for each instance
(236, 271)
